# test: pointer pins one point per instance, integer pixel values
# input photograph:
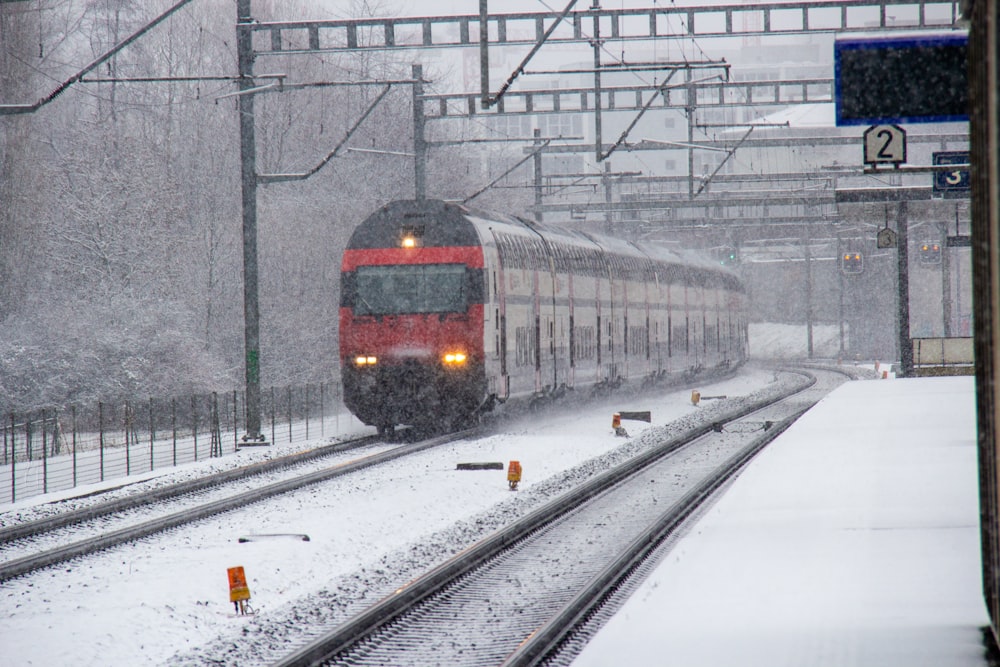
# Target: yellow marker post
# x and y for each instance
(239, 592)
(513, 474)
(695, 397)
(616, 424)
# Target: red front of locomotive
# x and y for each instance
(411, 317)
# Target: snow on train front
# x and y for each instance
(411, 317)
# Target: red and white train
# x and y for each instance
(447, 312)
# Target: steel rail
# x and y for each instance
(21, 566)
(546, 640)
(32, 528)
(393, 606)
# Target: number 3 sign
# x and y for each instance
(885, 144)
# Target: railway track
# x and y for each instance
(56, 539)
(515, 597)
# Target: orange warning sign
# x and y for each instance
(238, 589)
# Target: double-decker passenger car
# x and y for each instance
(447, 312)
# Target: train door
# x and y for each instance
(661, 306)
(561, 311)
(610, 313)
(599, 306)
(634, 322)
(647, 363)
(718, 325)
(499, 306)
(571, 350)
(587, 320)
(701, 339)
(621, 326)
(548, 288)
(537, 293)
(688, 321)
(521, 320)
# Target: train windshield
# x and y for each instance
(410, 288)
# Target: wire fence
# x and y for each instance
(56, 449)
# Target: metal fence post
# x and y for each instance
(73, 412)
(100, 434)
(274, 413)
(173, 424)
(307, 411)
(194, 424)
(236, 421)
(129, 427)
(322, 410)
(57, 435)
(13, 459)
(216, 449)
(152, 434)
(289, 413)
(45, 456)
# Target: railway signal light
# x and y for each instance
(852, 262)
(729, 256)
(930, 253)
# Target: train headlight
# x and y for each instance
(454, 359)
(409, 242)
(362, 360)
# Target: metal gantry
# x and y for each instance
(660, 22)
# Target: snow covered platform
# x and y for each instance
(853, 539)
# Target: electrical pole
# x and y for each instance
(419, 140)
(809, 297)
(537, 142)
(248, 171)
(902, 268)
(840, 311)
(596, 43)
(946, 277)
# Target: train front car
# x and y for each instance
(411, 317)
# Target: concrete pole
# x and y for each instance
(248, 170)
(902, 267)
(419, 140)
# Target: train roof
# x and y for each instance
(442, 223)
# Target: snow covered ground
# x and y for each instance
(853, 539)
(168, 595)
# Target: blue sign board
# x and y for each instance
(918, 78)
(953, 180)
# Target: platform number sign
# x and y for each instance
(951, 180)
(885, 144)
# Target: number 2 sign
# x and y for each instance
(885, 144)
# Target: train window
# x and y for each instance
(411, 288)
